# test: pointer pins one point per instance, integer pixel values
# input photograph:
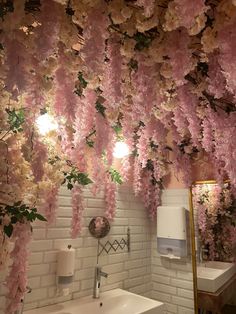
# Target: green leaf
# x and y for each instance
(16, 119)
(83, 179)
(82, 80)
(8, 230)
(133, 64)
(117, 128)
(89, 141)
(142, 40)
(13, 219)
(115, 176)
(40, 217)
(69, 186)
(100, 108)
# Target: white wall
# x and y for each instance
(141, 271)
(130, 271)
(172, 279)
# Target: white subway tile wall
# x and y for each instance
(131, 271)
(172, 279)
(141, 271)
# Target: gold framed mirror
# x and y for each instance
(213, 238)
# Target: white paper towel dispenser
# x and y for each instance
(171, 231)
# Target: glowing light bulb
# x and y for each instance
(46, 123)
(121, 150)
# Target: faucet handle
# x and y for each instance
(103, 274)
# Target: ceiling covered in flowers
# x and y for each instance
(157, 75)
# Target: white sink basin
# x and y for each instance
(115, 301)
(211, 276)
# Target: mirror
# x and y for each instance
(99, 227)
(213, 209)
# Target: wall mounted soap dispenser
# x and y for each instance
(171, 231)
(65, 270)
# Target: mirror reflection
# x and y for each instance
(214, 209)
(99, 227)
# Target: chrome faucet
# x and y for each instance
(97, 281)
(202, 254)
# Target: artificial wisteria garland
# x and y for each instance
(216, 220)
(159, 75)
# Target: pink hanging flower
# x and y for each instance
(142, 150)
(98, 174)
(110, 198)
(77, 211)
(146, 95)
(85, 115)
(227, 57)
(65, 98)
(95, 34)
(186, 14)
(49, 204)
(16, 59)
(111, 84)
(47, 31)
(16, 281)
(39, 157)
(207, 136)
(188, 103)
(125, 169)
(102, 134)
(155, 200)
(216, 77)
(180, 56)
(137, 185)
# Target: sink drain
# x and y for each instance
(101, 304)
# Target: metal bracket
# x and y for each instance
(115, 245)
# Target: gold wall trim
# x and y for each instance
(193, 249)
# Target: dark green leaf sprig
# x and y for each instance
(115, 176)
(16, 119)
(74, 176)
(18, 212)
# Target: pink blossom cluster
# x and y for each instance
(137, 177)
(98, 175)
(188, 103)
(77, 211)
(227, 58)
(148, 6)
(112, 75)
(177, 49)
(145, 93)
(142, 148)
(184, 13)
(65, 97)
(16, 281)
(216, 77)
(49, 204)
(125, 169)
(38, 159)
(95, 33)
(110, 198)
(47, 31)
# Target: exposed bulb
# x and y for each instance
(121, 150)
(46, 124)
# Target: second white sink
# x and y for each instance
(211, 276)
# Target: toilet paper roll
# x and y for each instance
(66, 262)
